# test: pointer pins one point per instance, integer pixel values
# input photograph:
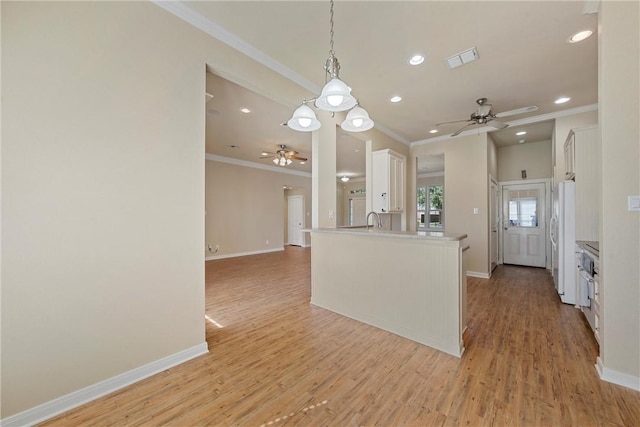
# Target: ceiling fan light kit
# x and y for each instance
(335, 96)
(283, 156)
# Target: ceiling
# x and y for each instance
(524, 59)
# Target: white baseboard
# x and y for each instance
(478, 274)
(80, 397)
(615, 377)
(237, 254)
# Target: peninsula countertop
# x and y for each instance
(376, 232)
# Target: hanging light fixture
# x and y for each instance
(335, 96)
(344, 178)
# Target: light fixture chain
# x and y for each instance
(331, 52)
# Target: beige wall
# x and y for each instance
(534, 157)
(465, 188)
(619, 89)
(103, 189)
(561, 130)
(102, 195)
(245, 209)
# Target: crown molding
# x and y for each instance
(248, 164)
(190, 16)
(525, 121)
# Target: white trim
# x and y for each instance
(238, 254)
(430, 174)
(195, 19)
(80, 397)
(477, 274)
(615, 377)
(525, 121)
(246, 163)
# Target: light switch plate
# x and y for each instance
(634, 203)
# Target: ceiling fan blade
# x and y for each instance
(265, 157)
(456, 133)
(517, 111)
(498, 125)
(294, 157)
(455, 121)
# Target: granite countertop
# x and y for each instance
(420, 235)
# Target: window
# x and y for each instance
(523, 212)
(430, 207)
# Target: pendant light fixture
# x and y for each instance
(335, 96)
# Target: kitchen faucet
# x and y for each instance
(377, 217)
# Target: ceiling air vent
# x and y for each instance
(462, 58)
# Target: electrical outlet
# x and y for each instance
(217, 248)
(209, 248)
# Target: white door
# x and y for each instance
(357, 211)
(524, 236)
(295, 215)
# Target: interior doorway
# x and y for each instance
(295, 222)
(524, 224)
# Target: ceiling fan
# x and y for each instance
(283, 156)
(484, 115)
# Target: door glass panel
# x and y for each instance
(523, 208)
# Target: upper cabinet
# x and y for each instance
(569, 156)
(584, 146)
(388, 181)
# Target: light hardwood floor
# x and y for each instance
(275, 360)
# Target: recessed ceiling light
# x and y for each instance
(302, 163)
(522, 141)
(416, 60)
(245, 110)
(433, 131)
(264, 153)
(521, 133)
(396, 99)
(580, 35)
(356, 151)
(562, 100)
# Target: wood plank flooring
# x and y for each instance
(275, 360)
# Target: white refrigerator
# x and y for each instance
(562, 232)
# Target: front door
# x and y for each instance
(294, 213)
(524, 224)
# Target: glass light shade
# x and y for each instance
(304, 120)
(276, 160)
(335, 96)
(289, 161)
(344, 179)
(357, 120)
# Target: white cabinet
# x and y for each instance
(569, 156)
(388, 181)
(585, 149)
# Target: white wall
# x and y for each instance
(245, 209)
(619, 118)
(465, 188)
(534, 157)
(102, 195)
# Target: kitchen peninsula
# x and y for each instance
(412, 284)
